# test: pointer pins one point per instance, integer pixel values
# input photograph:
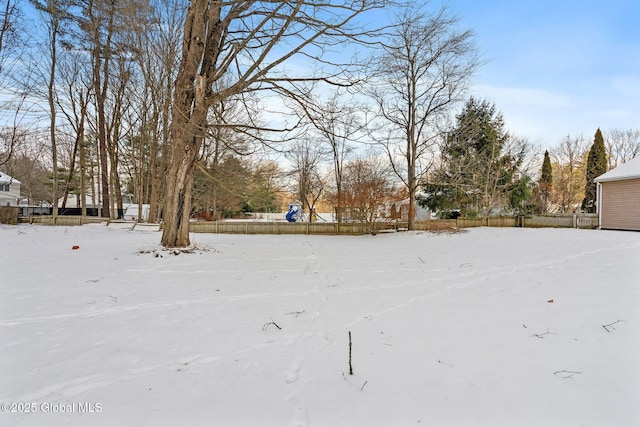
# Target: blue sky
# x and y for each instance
(557, 67)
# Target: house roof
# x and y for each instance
(6, 179)
(627, 170)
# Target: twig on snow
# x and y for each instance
(541, 336)
(295, 313)
(566, 374)
(609, 327)
(266, 325)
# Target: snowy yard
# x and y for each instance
(488, 327)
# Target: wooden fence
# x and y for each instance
(249, 227)
(582, 220)
(62, 220)
(260, 227)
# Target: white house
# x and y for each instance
(618, 196)
(9, 190)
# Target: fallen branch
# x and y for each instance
(541, 336)
(266, 325)
(610, 325)
(566, 374)
(365, 383)
(295, 313)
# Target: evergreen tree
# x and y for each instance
(596, 166)
(521, 196)
(545, 183)
(547, 174)
(478, 165)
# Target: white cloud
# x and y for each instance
(546, 116)
(522, 96)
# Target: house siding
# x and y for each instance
(621, 204)
(11, 197)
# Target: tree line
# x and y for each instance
(483, 170)
(218, 108)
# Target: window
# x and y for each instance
(4, 187)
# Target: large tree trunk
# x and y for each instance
(177, 207)
(412, 211)
(186, 138)
(412, 184)
(188, 120)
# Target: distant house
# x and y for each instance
(402, 210)
(73, 201)
(618, 197)
(9, 190)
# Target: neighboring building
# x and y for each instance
(422, 214)
(618, 197)
(73, 201)
(9, 190)
(131, 213)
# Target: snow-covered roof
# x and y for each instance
(627, 170)
(6, 179)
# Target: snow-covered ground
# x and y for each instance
(488, 327)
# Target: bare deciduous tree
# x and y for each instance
(99, 24)
(10, 43)
(621, 145)
(569, 163)
(424, 71)
(368, 189)
(12, 134)
(338, 125)
(29, 163)
(309, 181)
(73, 100)
(156, 44)
(54, 14)
(248, 43)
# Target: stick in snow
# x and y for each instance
(350, 367)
